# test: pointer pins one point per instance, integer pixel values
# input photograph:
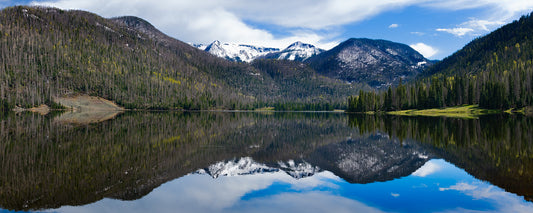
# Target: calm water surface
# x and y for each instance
(264, 162)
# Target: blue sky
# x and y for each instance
(436, 28)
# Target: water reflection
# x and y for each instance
(445, 189)
(233, 162)
(46, 164)
(497, 148)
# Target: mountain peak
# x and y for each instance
(297, 51)
(134, 21)
(216, 43)
(300, 45)
(238, 52)
(376, 62)
(144, 27)
(296, 44)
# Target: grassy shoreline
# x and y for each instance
(466, 111)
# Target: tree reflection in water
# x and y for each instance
(45, 163)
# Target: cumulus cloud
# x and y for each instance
(426, 50)
(394, 26)
(209, 20)
(313, 21)
(310, 21)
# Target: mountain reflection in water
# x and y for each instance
(442, 187)
(264, 162)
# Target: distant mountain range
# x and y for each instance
(375, 62)
(297, 51)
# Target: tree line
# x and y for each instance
(490, 90)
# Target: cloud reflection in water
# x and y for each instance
(438, 186)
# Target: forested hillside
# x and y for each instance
(494, 72)
(310, 90)
(47, 52)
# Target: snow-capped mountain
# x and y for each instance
(377, 157)
(238, 52)
(247, 166)
(297, 51)
(375, 62)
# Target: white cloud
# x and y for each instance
(473, 27)
(427, 51)
(394, 26)
(460, 187)
(497, 13)
(312, 21)
(458, 31)
(395, 194)
(209, 20)
(314, 14)
(484, 25)
(507, 6)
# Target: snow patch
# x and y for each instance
(299, 170)
(391, 51)
(247, 166)
(105, 27)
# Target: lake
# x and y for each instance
(264, 162)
